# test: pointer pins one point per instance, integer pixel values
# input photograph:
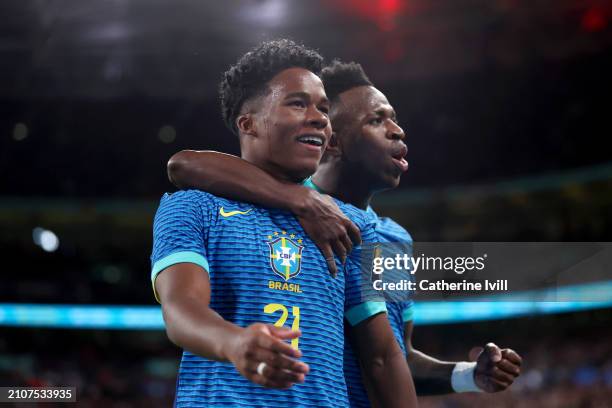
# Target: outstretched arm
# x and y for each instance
(385, 372)
(494, 369)
(234, 178)
(184, 292)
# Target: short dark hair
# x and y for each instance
(248, 78)
(341, 76)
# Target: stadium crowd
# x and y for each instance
(567, 362)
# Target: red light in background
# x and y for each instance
(385, 14)
(389, 6)
(593, 20)
(382, 12)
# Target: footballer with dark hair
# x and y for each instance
(365, 156)
(236, 279)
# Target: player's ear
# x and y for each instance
(333, 147)
(246, 124)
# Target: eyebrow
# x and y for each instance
(305, 96)
(383, 112)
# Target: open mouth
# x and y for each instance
(398, 157)
(312, 140)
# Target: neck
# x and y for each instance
(342, 183)
(272, 169)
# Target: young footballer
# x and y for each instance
(365, 156)
(231, 275)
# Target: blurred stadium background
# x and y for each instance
(506, 106)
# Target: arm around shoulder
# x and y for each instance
(232, 177)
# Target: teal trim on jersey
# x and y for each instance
(408, 314)
(359, 313)
(178, 257)
(309, 183)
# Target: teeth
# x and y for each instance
(311, 140)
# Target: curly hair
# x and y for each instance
(249, 77)
(341, 76)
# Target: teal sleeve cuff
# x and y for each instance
(359, 313)
(178, 257)
(408, 314)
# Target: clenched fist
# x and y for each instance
(496, 369)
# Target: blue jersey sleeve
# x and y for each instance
(180, 230)
(361, 301)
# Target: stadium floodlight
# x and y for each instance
(266, 12)
(45, 239)
(20, 132)
(167, 134)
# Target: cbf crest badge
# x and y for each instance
(285, 254)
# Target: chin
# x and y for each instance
(304, 170)
(390, 182)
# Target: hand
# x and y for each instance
(326, 225)
(262, 343)
(496, 369)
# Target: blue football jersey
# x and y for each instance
(262, 268)
(398, 313)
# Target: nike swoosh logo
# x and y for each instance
(232, 213)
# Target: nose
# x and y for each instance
(316, 118)
(395, 132)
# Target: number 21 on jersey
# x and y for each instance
(295, 311)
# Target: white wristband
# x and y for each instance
(462, 379)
